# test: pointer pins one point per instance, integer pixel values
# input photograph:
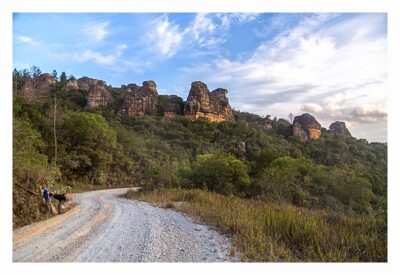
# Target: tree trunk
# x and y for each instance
(54, 130)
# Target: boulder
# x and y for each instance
(241, 149)
(306, 127)
(338, 128)
(213, 106)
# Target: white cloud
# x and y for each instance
(206, 30)
(334, 67)
(99, 58)
(312, 108)
(165, 37)
(27, 40)
(97, 31)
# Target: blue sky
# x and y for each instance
(330, 65)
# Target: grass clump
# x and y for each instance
(263, 231)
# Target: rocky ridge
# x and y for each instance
(145, 100)
(142, 101)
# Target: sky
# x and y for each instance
(333, 66)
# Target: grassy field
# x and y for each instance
(279, 232)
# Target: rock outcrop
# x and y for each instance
(338, 128)
(85, 82)
(266, 123)
(143, 100)
(241, 149)
(98, 95)
(213, 106)
(37, 88)
(173, 106)
(44, 82)
(72, 85)
(306, 127)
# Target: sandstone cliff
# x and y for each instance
(72, 85)
(213, 106)
(143, 100)
(85, 82)
(37, 88)
(306, 127)
(338, 128)
(98, 95)
(172, 106)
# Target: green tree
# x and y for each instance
(54, 74)
(63, 79)
(221, 173)
(90, 147)
(288, 179)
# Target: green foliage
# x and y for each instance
(30, 168)
(221, 173)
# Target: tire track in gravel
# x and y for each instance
(107, 228)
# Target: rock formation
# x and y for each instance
(143, 100)
(306, 127)
(85, 82)
(37, 88)
(241, 149)
(266, 123)
(338, 128)
(173, 106)
(213, 106)
(72, 85)
(98, 95)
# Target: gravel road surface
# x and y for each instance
(104, 227)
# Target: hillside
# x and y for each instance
(85, 134)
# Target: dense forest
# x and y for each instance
(58, 141)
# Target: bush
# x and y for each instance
(221, 173)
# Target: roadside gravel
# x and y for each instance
(107, 228)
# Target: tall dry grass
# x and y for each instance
(280, 232)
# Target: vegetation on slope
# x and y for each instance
(99, 149)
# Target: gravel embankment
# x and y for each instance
(107, 228)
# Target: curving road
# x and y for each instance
(104, 227)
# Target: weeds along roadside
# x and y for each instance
(264, 231)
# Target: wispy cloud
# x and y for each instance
(206, 30)
(103, 59)
(166, 37)
(27, 40)
(96, 31)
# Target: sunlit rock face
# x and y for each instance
(306, 127)
(98, 96)
(143, 100)
(213, 106)
(72, 85)
(85, 83)
(37, 88)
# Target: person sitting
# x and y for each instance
(61, 200)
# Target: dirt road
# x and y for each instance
(107, 228)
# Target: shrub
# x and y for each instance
(221, 173)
